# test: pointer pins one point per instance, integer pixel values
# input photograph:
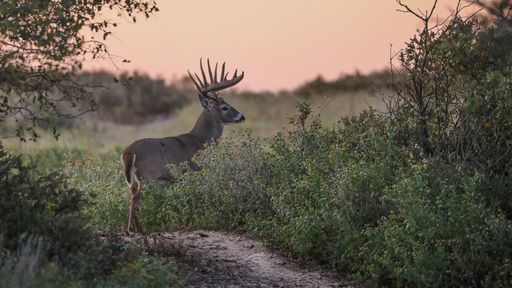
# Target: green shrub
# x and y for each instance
(39, 204)
(349, 82)
(46, 238)
(52, 159)
(452, 90)
(29, 268)
(145, 271)
(440, 233)
(350, 197)
(100, 177)
(228, 188)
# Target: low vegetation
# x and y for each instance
(347, 196)
(47, 238)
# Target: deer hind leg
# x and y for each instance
(133, 181)
(136, 196)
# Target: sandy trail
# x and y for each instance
(229, 260)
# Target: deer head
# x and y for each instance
(208, 93)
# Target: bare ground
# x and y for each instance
(216, 259)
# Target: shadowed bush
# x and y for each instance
(440, 232)
(46, 239)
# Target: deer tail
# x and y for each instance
(127, 161)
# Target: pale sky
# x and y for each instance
(278, 43)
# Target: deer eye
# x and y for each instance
(224, 108)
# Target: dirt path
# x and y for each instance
(228, 260)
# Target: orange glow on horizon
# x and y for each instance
(279, 44)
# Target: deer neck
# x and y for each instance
(208, 128)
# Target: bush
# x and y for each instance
(104, 186)
(345, 83)
(145, 271)
(325, 188)
(39, 204)
(45, 238)
(347, 196)
(452, 93)
(29, 269)
(135, 98)
(440, 233)
(228, 188)
(308, 191)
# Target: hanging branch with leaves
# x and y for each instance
(42, 46)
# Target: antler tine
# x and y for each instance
(202, 72)
(210, 71)
(222, 71)
(199, 87)
(215, 75)
(203, 85)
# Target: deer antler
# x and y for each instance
(214, 85)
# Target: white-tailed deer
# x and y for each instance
(147, 159)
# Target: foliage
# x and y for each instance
(146, 271)
(29, 269)
(347, 196)
(42, 45)
(135, 98)
(452, 92)
(440, 232)
(104, 186)
(39, 204)
(46, 238)
(227, 189)
(345, 83)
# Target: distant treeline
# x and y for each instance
(137, 98)
(345, 83)
(132, 98)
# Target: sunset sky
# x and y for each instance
(279, 43)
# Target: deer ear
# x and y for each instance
(206, 102)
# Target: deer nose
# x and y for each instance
(242, 119)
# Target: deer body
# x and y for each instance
(148, 159)
(152, 155)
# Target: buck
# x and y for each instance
(147, 159)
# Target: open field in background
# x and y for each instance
(266, 114)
